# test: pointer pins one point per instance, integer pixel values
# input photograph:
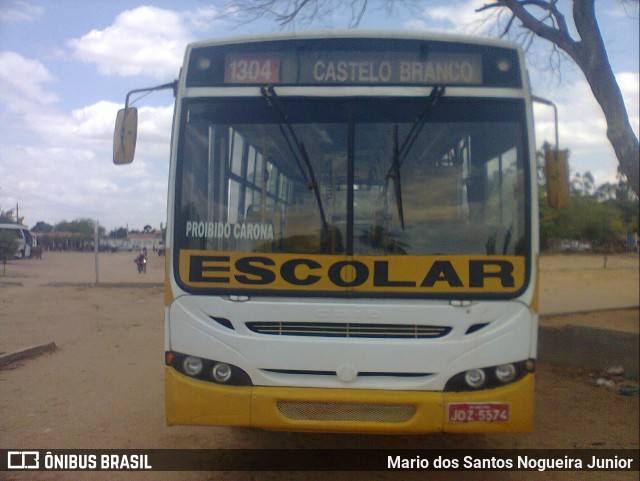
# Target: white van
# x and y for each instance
(24, 238)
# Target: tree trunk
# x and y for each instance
(591, 56)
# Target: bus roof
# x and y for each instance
(363, 34)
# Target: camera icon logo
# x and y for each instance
(23, 460)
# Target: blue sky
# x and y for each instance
(66, 66)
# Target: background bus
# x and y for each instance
(24, 239)
(352, 235)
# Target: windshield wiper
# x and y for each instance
(309, 176)
(400, 153)
(436, 94)
(394, 174)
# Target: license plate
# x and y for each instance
(483, 412)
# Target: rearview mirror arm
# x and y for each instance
(544, 101)
(173, 85)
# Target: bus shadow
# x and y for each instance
(261, 439)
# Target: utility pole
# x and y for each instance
(96, 241)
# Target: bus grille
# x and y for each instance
(336, 329)
(358, 412)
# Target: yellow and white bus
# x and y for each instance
(352, 235)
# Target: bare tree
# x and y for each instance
(545, 20)
(289, 12)
(537, 19)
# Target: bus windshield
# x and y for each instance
(242, 185)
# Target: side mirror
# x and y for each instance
(124, 136)
(557, 173)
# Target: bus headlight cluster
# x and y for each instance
(489, 377)
(207, 369)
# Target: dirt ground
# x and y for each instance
(103, 387)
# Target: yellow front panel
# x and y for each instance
(363, 274)
(427, 418)
(189, 401)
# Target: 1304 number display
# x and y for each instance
(251, 69)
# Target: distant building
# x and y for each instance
(151, 240)
(60, 240)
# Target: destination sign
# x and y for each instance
(361, 68)
(354, 61)
(353, 68)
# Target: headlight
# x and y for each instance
(506, 372)
(475, 378)
(221, 372)
(192, 365)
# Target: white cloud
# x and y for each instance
(95, 122)
(416, 24)
(581, 122)
(22, 81)
(622, 10)
(155, 124)
(70, 173)
(204, 17)
(146, 40)
(20, 11)
(458, 17)
(77, 177)
(58, 183)
(43, 178)
(142, 41)
(629, 83)
(583, 129)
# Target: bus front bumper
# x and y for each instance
(194, 402)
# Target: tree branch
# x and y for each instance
(559, 36)
(508, 27)
(287, 13)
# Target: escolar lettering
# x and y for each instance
(285, 272)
